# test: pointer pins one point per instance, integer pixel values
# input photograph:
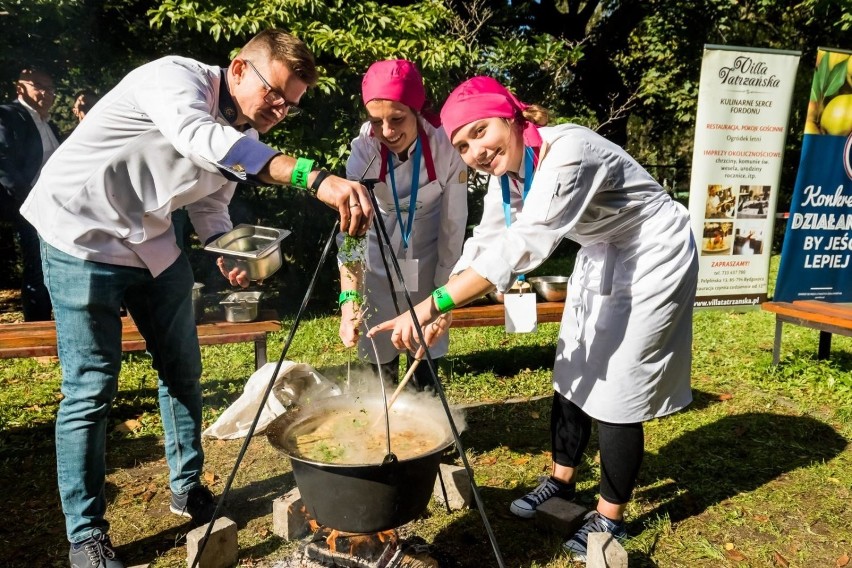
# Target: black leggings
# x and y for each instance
(621, 445)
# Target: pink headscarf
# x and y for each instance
(394, 80)
(483, 97)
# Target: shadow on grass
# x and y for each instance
(506, 362)
(701, 468)
(243, 504)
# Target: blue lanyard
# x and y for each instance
(412, 199)
(529, 171)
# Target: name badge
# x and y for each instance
(408, 267)
(521, 315)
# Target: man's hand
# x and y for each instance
(350, 198)
(235, 276)
(352, 202)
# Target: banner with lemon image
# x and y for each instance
(816, 258)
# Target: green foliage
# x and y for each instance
(626, 68)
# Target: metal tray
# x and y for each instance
(254, 249)
(241, 306)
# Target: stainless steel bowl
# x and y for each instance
(517, 288)
(254, 249)
(550, 288)
(241, 306)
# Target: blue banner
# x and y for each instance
(816, 258)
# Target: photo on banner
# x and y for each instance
(744, 98)
(816, 256)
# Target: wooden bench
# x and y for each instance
(826, 317)
(494, 314)
(38, 338)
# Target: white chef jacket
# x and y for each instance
(436, 237)
(625, 342)
(156, 142)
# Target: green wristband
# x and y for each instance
(349, 296)
(299, 177)
(443, 300)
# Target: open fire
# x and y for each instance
(326, 547)
(331, 547)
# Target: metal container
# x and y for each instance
(241, 306)
(254, 249)
(550, 288)
(520, 287)
(197, 303)
(367, 497)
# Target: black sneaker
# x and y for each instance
(197, 504)
(94, 552)
(549, 487)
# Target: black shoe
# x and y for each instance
(197, 504)
(549, 487)
(94, 552)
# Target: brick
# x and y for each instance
(289, 517)
(604, 551)
(457, 484)
(221, 550)
(561, 516)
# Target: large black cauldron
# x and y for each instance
(370, 497)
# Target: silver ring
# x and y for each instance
(355, 205)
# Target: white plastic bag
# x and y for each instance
(296, 382)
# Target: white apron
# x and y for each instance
(625, 342)
(441, 207)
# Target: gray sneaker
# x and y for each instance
(549, 487)
(577, 545)
(94, 552)
(197, 504)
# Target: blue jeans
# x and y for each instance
(87, 297)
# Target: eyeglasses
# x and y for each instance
(39, 87)
(273, 98)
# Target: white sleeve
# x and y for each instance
(453, 180)
(178, 97)
(562, 188)
(363, 148)
(489, 227)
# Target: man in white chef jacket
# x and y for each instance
(173, 133)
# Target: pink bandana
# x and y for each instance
(394, 80)
(483, 97)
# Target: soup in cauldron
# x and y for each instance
(358, 436)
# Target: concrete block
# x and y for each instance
(221, 550)
(561, 516)
(289, 516)
(457, 485)
(604, 551)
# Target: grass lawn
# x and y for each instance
(757, 472)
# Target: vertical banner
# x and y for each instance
(815, 258)
(740, 128)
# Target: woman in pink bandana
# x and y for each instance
(624, 352)
(414, 163)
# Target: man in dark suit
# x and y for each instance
(27, 139)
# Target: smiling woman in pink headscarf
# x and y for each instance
(624, 352)
(422, 197)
